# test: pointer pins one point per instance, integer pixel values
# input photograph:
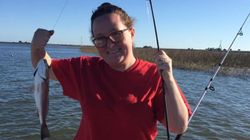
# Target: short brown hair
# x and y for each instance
(107, 8)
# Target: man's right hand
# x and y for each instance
(41, 38)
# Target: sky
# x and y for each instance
(181, 24)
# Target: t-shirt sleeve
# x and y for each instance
(67, 71)
(159, 103)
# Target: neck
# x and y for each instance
(125, 66)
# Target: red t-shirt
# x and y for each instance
(116, 105)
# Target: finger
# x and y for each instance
(162, 52)
(51, 32)
(163, 59)
(41, 37)
(163, 67)
(46, 40)
(158, 59)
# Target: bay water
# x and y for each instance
(223, 114)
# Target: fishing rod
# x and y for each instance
(239, 33)
(155, 29)
(60, 14)
(163, 85)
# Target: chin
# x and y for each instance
(115, 62)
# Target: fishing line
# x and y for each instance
(239, 33)
(60, 14)
(163, 85)
(148, 12)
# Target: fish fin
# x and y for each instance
(44, 132)
(35, 72)
(41, 68)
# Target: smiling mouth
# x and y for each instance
(114, 51)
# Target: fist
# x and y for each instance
(41, 38)
(164, 63)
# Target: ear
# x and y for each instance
(132, 31)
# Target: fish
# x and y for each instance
(41, 95)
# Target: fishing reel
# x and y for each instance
(211, 87)
(240, 33)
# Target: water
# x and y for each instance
(224, 113)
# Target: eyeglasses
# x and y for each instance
(115, 37)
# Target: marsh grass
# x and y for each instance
(236, 63)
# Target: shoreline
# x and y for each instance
(236, 64)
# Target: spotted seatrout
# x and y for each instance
(41, 92)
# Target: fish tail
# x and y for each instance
(44, 131)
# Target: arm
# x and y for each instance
(177, 110)
(39, 41)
